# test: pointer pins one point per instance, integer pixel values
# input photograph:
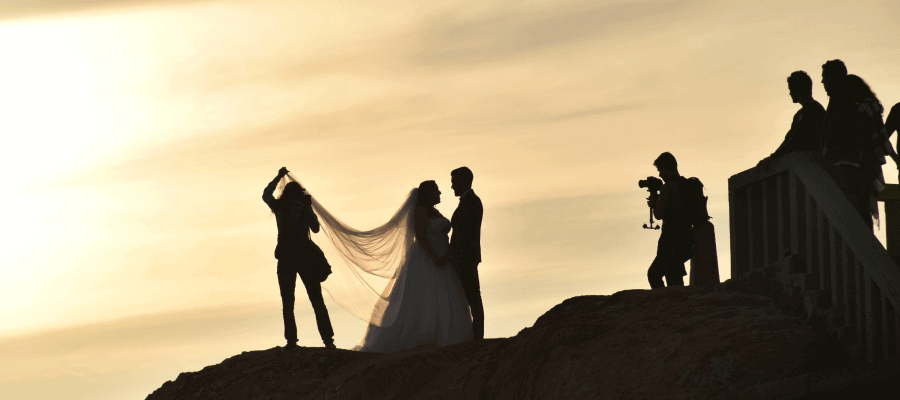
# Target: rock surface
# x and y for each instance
(671, 343)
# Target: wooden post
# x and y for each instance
(891, 198)
(812, 238)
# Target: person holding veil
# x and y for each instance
(297, 255)
(395, 276)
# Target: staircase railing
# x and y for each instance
(793, 211)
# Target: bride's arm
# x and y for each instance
(421, 221)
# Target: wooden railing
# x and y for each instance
(793, 212)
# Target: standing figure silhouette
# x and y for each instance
(296, 255)
(465, 244)
(873, 143)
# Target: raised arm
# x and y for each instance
(268, 193)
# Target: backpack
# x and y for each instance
(695, 201)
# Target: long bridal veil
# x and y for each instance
(363, 279)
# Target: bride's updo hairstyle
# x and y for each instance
(427, 193)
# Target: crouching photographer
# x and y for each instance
(676, 242)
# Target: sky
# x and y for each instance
(139, 135)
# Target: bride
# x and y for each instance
(429, 306)
(395, 278)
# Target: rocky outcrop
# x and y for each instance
(670, 343)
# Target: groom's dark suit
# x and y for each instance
(465, 249)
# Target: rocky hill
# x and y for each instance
(685, 343)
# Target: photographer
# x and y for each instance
(298, 255)
(677, 239)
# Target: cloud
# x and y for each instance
(456, 36)
(11, 9)
(137, 331)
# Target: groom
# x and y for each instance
(465, 244)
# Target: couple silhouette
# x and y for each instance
(432, 294)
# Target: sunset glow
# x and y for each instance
(139, 135)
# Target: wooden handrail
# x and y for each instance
(794, 209)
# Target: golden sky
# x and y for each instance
(139, 135)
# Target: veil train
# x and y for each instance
(371, 260)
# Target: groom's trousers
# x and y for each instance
(468, 276)
(287, 281)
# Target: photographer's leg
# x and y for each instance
(287, 280)
(675, 273)
(323, 321)
(656, 272)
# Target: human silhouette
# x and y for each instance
(844, 138)
(874, 144)
(465, 244)
(426, 304)
(676, 240)
(296, 255)
(808, 123)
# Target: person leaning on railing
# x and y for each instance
(806, 128)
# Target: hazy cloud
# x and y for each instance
(457, 36)
(10, 9)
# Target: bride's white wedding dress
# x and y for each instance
(426, 303)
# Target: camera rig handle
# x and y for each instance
(651, 220)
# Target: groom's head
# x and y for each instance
(461, 180)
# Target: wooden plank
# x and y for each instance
(849, 261)
(836, 268)
(897, 331)
(797, 201)
(891, 192)
(825, 246)
(812, 239)
(739, 232)
(888, 331)
(766, 213)
(892, 227)
(860, 304)
(755, 222)
(869, 321)
(784, 217)
(877, 348)
(850, 283)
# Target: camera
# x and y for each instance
(652, 184)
